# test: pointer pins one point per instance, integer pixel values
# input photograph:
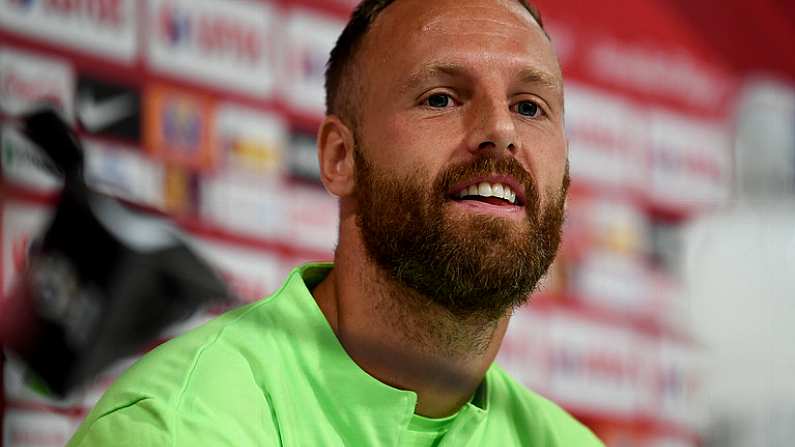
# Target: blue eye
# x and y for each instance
(528, 108)
(438, 100)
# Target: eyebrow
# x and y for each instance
(433, 70)
(540, 77)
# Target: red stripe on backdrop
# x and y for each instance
(283, 249)
(11, 192)
(645, 325)
(641, 426)
(640, 49)
(657, 211)
(83, 61)
(750, 36)
(72, 412)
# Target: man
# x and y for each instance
(444, 142)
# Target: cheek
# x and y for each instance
(554, 161)
(546, 155)
(412, 145)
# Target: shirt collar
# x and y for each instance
(336, 377)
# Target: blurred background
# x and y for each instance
(668, 319)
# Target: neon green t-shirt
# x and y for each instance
(273, 373)
(426, 432)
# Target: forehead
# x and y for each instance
(412, 33)
(499, 18)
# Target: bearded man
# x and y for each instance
(444, 143)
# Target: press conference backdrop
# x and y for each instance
(206, 109)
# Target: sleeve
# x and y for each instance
(151, 423)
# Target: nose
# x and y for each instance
(493, 128)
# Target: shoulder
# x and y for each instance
(152, 422)
(534, 416)
(189, 386)
(174, 367)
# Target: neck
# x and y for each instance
(402, 338)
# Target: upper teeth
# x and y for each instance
(489, 190)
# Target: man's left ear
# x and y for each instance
(335, 154)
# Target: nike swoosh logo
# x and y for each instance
(98, 115)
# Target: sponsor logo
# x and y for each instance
(311, 218)
(25, 164)
(174, 25)
(22, 4)
(102, 12)
(178, 127)
(212, 36)
(182, 126)
(250, 140)
(108, 109)
(673, 74)
(595, 366)
(228, 44)
(313, 63)
(607, 134)
(180, 188)
(124, 172)
(244, 205)
(690, 161)
(105, 26)
(310, 39)
(27, 80)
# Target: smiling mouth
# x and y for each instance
(498, 194)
